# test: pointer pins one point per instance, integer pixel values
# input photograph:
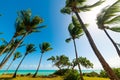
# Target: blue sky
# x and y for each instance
(56, 33)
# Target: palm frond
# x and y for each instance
(111, 11)
(68, 40)
(88, 7)
(66, 10)
(115, 29)
(115, 20)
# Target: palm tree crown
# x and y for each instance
(44, 47)
(30, 48)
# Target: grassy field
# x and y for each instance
(8, 77)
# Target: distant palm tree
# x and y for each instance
(75, 32)
(83, 61)
(29, 49)
(16, 56)
(59, 61)
(44, 47)
(76, 6)
(27, 25)
(109, 17)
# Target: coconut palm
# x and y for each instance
(76, 6)
(16, 56)
(29, 49)
(75, 32)
(44, 47)
(59, 61)
(108, 18)
(83, 61)
(28, 25)
(10, 49)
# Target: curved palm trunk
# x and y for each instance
(7, 46)
(2, 64)
(116, 47)
(81, 76)
(14, 75)
(38, 66)
(104, 64)
(9, 66)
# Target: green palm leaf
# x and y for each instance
(88, 7)
(112, 11)
(116, 29)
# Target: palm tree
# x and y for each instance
(44, 47)
(108, 17)
(75, 32)
(10, 49)
(76, 6)
(83, 61)
(28, 25)
(59, 61)
(16, 56)
(29, 49)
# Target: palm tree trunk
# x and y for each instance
(116, 47)
(7, 46)
(4, 58)
(81, 76)
(105, 65)
(38, 66)
(9, 66)
(14, 75)
(2, 64)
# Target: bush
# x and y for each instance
(103, 74)
(116, 70)
(60, 72)
(72, 75)
(91, 74)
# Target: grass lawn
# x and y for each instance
(8, 77)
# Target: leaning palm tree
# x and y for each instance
(29, 49)
(76, 6)
(75, 32)
(108, 19)
(28, 25)
(59, 61)
(10, 49)
(83, 61)
(44, 47)
(16, 56)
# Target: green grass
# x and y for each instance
(8, 77)
(95, 78)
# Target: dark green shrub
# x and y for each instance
(103, 74)
(91, 74)
(61, 72)
(116, 70)
(72, 75)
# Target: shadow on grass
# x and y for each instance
(4, 78)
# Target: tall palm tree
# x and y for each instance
(107, 17)
(29, 49)
(44, 47)
(75, 32)
(28, 24)
(16, 56)
(76, 6)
